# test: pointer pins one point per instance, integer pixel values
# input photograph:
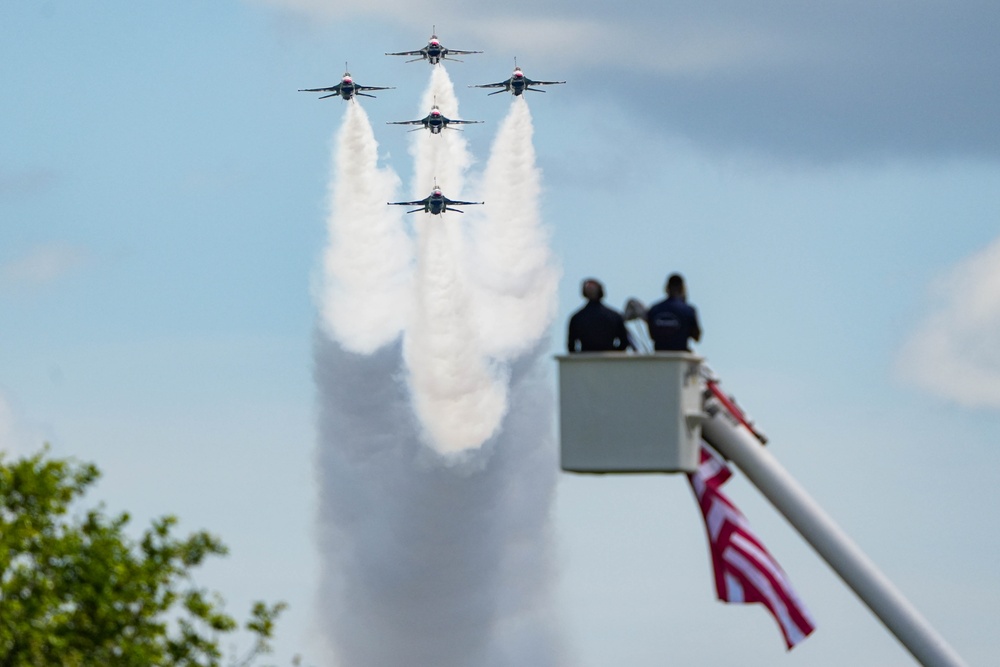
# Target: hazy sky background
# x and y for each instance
(825, 175)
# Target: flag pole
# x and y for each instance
(734, 441)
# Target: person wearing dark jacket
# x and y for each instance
(672, 322)
(595, 327)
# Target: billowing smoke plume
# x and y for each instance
(458, 394)
(365, 291)
(425, 564)
(436, 455)
(511, 254)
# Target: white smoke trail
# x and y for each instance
(445, 157)
(458, 394)
(513, 264)
(367, 263)
(440, 556)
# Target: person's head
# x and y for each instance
(592, 289)
(675, 286)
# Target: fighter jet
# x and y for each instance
(433, 53)
(517, 83)
(347, 89)
(435, 121)
(435, 203)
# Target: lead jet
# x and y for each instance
(435, 121)
(435, 203)
(347, 89)
(433, 53)
(517, 84)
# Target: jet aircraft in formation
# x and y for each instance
(433, 53)
(435, 203)
(347, 88)
(517, 83)
(435, 121)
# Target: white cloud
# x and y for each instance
(684, 48)
(41, 266)
(955, 351)
(690, 44)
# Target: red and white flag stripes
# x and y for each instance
(744, 570)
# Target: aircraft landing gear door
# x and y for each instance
(623, 413)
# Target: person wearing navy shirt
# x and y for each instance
(595, 327)
(672, 322)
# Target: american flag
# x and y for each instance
(744, 570)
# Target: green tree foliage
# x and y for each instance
(76, 590)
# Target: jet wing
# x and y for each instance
(449, 205)
(320, 90)
(359, 87)
(422, 203)
(461, 53)
(404, 122)
(499, 84)
(463, 122)
(406, 53)
(529, 82)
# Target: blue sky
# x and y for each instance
(824, 175)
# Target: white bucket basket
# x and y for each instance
(624, 413)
